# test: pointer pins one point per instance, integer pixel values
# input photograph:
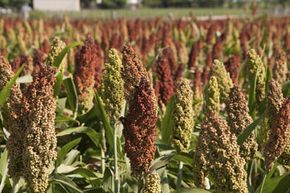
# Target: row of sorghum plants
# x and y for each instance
(145, 97)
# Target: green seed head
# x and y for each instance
(57, 45)
(152, 183)
(258, 70)
(223, 78)
(112, 87)
(183, 116)
(212, 96)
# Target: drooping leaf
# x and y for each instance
(65, 149)
(58, 83)
(91, 133)
(72, 96)
(66, 182)
(248, 130)
(167, 122)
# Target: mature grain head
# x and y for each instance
(40, 137)
(238, 119)
(140, 128)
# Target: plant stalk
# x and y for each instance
(116, 175)
(15, 186)
(179, 179)
(103, 153)
(3, 179)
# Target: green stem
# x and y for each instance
(3, 179)
(103, 154)
(179, 179)
(263, 182)
(116, 176)
(15, 186)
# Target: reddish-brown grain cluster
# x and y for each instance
(140, 128)
(279, 134)
(164, 86)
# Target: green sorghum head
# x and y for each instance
(257, 68)
(238, 119)
(212, 96)
(112, 86)
(57, 45)
(183, 116)
(21, 44)
(217, 156)
(152, 183)
(39, 138)
(223, 78)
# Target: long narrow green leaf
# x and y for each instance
(247, 132)
(62, 54)
(286, 89)
(91, 133)
(57, 86)
(277, 184)
(252, 94)
(167, 122)
(65, 149)
(106, 122)
(4, 93)
(71, 90)
(63, 180)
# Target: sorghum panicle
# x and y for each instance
(99, 66)
(12, 120)
(140, 128)
(212, 96)
(183, 116)
(152, 183)
(232, 66)
(39, 137)
(84, 77)
(238, 119)
(217, 156)
(280, 68)
(164, 86)
(279, 134)
(112, 86)
(223, 78)
(257, 68)
(57, 45)
(274, 99)
(133, 70)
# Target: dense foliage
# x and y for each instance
(155, 105)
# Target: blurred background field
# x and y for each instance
(149, 12)
(143, 8)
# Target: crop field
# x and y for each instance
(145, 105)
